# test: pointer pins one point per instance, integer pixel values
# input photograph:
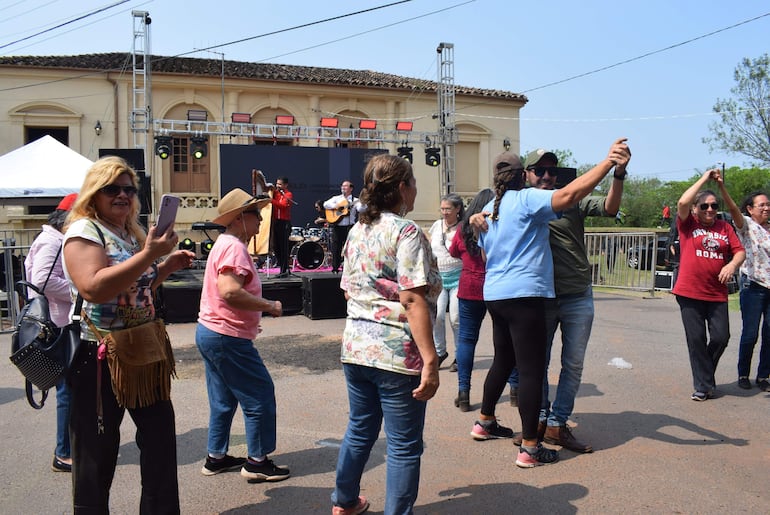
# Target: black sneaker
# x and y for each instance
(763, 384)
(744, 383)
(265, 470)
(490, 430)
(214, 466)
(541, 456)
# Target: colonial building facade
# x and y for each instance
(87, 102)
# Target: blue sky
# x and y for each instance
(662, 102)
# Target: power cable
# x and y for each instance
(648, 54)
(9, 18)
(281, 31)
(92, 13)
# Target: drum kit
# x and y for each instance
(311, 247)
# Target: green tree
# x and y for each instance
(744, 120)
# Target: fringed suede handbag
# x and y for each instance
(141, 363)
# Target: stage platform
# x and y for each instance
(316, 294)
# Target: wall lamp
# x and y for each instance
(98, 128)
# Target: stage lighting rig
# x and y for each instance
(206, 247)
(163, 146)
(405, 152)
(198, 147)
(187, 244)
(432, 156)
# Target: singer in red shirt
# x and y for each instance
(280, 228)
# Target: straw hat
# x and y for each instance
(236, 202)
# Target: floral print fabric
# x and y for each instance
(381, 260)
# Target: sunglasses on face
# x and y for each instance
(705, 206)
(542, 170)
(113, 190)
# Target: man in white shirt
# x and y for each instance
(341, 213)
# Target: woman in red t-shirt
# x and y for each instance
(710, 254)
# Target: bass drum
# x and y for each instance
(310, 255)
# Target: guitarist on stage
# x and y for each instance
(341, 213)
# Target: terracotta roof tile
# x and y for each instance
(117, 61)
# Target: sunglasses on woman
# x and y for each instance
(113, 190)
(705, 206)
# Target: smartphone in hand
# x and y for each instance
(166, 213)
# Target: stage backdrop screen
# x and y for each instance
(313, 173)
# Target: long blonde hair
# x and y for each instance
(103, 172)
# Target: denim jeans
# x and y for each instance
(697, 316)
(472, 314)
(575, 315)
(755, 307)
(439, 327)
(235, 374)
(374, 395)
(63, 396)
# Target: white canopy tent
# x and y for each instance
(43, 168)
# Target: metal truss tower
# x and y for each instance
(141, 110)
(447, 133)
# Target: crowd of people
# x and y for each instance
(517, 252)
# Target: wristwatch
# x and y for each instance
(620, 177)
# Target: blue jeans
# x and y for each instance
(63, 396)
(439, 327)
(755, 307)
(575, 315)
(374, 395)
(472, 314)
(235, 374)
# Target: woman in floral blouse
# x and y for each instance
(391, 282)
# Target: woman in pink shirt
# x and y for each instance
(230, 312)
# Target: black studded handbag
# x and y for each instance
(40, 350)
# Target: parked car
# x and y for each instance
(640, 256)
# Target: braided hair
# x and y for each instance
(466, 230)
(510, 179)
(383, 175)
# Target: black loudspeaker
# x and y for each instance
(180, 297)
(133, 156)
(288, 291)
(322, 297)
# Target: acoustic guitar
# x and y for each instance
(333, 215)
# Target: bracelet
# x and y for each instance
(620, 177)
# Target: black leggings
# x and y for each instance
(519, 337)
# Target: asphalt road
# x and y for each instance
(657, 451)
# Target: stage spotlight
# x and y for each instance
(187, 244)
(432, 156)
(206, 247)
(163, 146)
(406, 153)
(198, 147)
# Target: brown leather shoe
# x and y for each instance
(562, 435)
(540, 432)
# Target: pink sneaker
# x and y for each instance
(541, 456)
(490, 430)
(361, 507)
